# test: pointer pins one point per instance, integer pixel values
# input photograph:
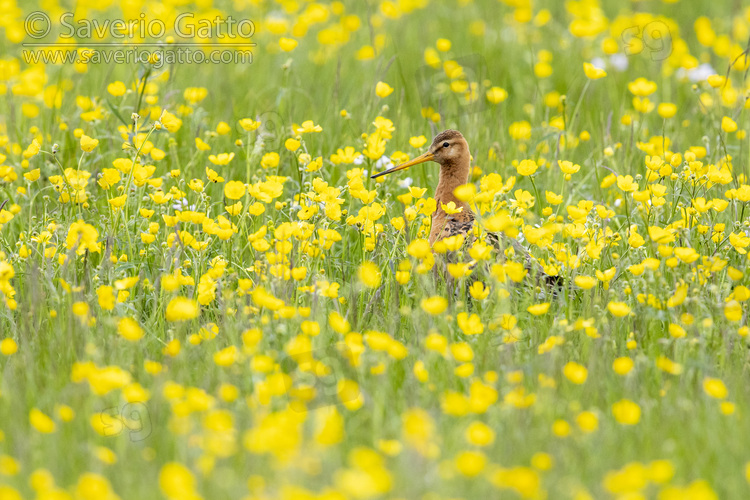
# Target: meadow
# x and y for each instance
(204, 294)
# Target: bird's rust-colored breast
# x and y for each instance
(445, 225)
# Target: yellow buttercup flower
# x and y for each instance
(182, 309)
(575, 372)
(626, 412)
(382, 89)
(41, 422)
(129, 329)
(221, 159)
(234, 190)
(369, 274)
(88, 144)
(527, 167)
(434, 305)
(592, 72)
(288, 44)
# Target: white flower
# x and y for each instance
(619, 61)
(405, 183)
(383, 163)
(599, 63)
(701, 73)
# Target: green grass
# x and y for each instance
(245, 423)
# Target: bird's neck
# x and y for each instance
(452, 175)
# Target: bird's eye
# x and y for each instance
(445, 144)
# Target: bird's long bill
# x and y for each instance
(419, 159)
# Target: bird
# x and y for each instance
(451, 151)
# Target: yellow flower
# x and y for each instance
(434, 305)
(592, 72)
(234, 209)
(41, 422)
(418, 141)
(349, 394)
(728, 125)
(715, 388)
(626, 183)
(575, 373)
(618, 309)
(9, 467)
(465, 192)
(32, 150)
(622, 365)
(234, 190)
(194, 95)
(292, 144)
(201, 145)
(443, 44)
(8, 346)
(32, 175)
(308, 126)
(727, 407)
(478, 291)
(471, 463)
(480, 434)
(419, 248)
(515, 271)
(171, 122)
(538, 309)
(553, 198)
(585, 282)
(587, 421)
(88, 144)
(568, 167)
(666, 110)
(470, 324)
(733, 311)
(248, 124)
(288, 44)
(118, 201)
(82, 237)
(369, 275)
(129, 329)
(665, 364)
(339, 323)
(560, 428)
(676, 331)
(117, 88)
(626, 412)
(182, 309)
(714, 81)
(451, 208)
(642, 87)
(226, 357)
(382, 89)
(270, 160)
(527, 167)
(496, 95)
(221, 158)
(177, 482)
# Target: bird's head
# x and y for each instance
(448, 148)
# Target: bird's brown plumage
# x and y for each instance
(455, 166)
(451, 151)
